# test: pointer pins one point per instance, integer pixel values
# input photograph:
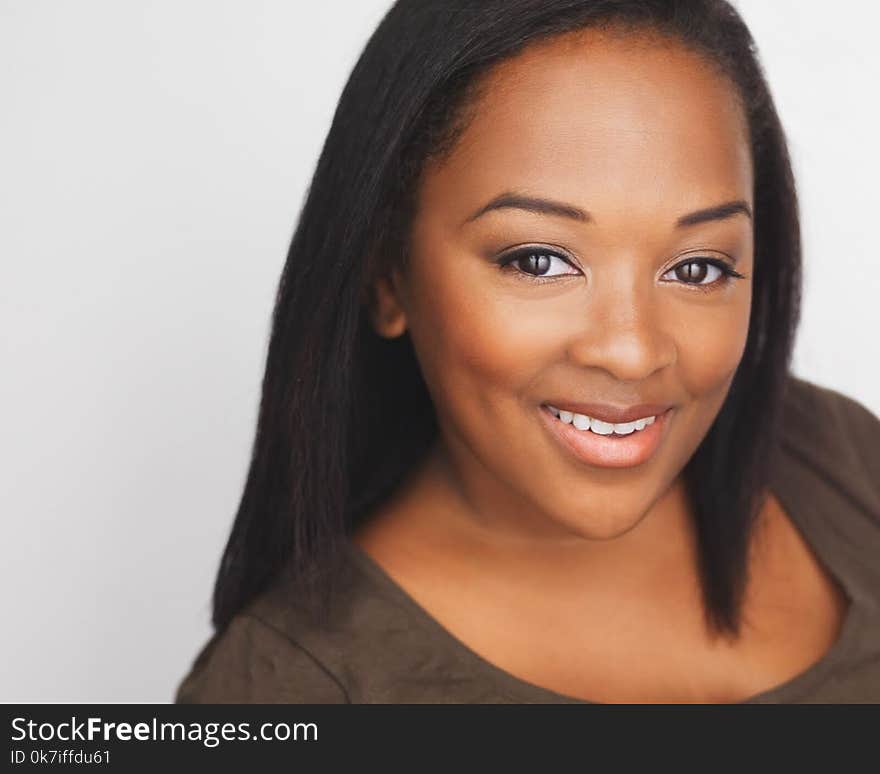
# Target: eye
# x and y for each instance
(704, 273)
(537, 264)
(540, 264)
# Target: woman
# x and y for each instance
(528, 431)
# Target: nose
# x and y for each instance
(623, 331)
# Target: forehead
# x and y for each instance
(612, 122)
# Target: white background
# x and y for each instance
(153, 158)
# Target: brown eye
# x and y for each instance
(697, 271)
(694, 272)
(536, 263)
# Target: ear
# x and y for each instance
(386, 311)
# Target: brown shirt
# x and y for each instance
(382, 647)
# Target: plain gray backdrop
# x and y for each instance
(154, 155)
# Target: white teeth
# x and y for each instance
(583, 422)
(600, 427)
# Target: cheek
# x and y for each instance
(710, 346)
(476, 345)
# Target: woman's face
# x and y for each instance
(612, 295)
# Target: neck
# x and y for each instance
(464, 510)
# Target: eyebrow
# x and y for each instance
(511, 200)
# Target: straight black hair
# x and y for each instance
(345, 414)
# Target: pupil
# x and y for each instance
(540, 263)
(695, 271)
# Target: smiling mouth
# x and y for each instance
(595, 425)
(603, 444)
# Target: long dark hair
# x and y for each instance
(345, 414)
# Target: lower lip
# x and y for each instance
(609, 451)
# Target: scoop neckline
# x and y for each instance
(528, 692)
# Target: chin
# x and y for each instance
(609, 530)
(602, 524)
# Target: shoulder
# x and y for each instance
(821, 416)
(836, 437)
(274, 651)
(277, 651)
(250, 661)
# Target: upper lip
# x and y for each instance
(615, 415)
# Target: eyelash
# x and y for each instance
(728, 273)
